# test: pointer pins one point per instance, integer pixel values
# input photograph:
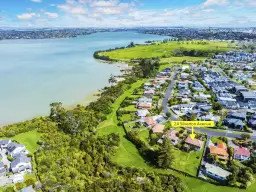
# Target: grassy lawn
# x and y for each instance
(144, 135)
(129, 108)
(187, 162)
(29, 139)
(180, 59)
(158, 50)
(111, 121)
(216, 140)
(126, 118)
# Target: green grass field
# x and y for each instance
(187, 162)
(159, 50)
(110, 124)
(29, 139)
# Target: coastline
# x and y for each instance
(85, 101)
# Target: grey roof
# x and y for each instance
(2, 168)
(27, 189)
(20, 159)
(12, 146)
(239, 115)
(217, 170)
(248, 94)
(4, 142)
(236, 122)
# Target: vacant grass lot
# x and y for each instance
(158, 50)
(187, 162)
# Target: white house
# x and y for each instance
(15, 149)
(242, 154)
(21, 163)
(142, 113)
(185, 107)
(4, 143)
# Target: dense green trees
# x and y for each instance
(165, 154)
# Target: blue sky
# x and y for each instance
(127, 13)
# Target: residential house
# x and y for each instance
(147, 106)
(21, 163)
(142, 113)
(145, 100)
(158, 128)
(2, 169)
(220, 150)
(215, 172)
(252, 121)
(248, 96)
(171, 134)
(4, 143)
(198, 86)
(238, 88)
(185, 107)
(149, 122)
(194, 143)
(238, 115)
(233, 123)
(209, 117)
(149, 93)
(184, 75)
(15, 149)
(159, 119)
(182, 85)
(27, 189)
(242, 154)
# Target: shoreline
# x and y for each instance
(87, 99)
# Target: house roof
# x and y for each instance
(2, 168)
(12, 146)
(27, 189)
(150, 121)
(172, 134)
(222, 145)
(142, 113)
(248, 94)
(242, 151)
(222, 153)
(4, 142)
(158, 128)
(20, 159)
(194, 142)
(217, 170)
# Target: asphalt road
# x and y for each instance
(225, 134)
(167, 94)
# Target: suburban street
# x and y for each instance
(210, 133)
(217, 133)
(168, 93)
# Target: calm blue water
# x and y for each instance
(35, 73)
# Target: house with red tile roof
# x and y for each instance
(172, 136)
(242, 154)
(195, 144)
(221, 151)
(150, 122)
(222, 145)
(158, 128)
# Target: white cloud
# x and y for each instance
(51, 15)
(209, 3)
(25, 16)
(72, 9)
(110, 3)
(208, 10)
(37, 1)
(248, 3)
